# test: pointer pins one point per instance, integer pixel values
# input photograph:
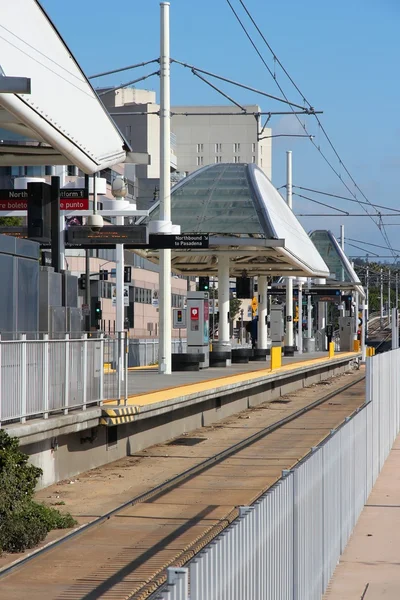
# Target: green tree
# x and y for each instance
(11, 221)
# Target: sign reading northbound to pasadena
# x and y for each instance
(179, 242)
(70, 199)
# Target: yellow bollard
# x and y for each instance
(331, 349)
(276, 357)
(356, 345)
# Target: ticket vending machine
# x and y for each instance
(198, 325)
(276, 325)
(347, 329)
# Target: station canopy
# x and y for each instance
(246, 217)
(62, 118)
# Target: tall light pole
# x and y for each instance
(289, 344)
(164, 355)
(381, 290)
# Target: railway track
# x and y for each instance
(124, 553)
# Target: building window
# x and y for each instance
(200, 147)
(236, 159)
(72, 171)
(253, 159)
(253, 147)
(200, 161)
(261, 149)
(218, 147)
(48, 170)
(236, 147)
(261, 163)
(218, 159)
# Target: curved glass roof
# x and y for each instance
(339, 265)
(238, 200)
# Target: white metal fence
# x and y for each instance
(40, 377)
(286, 546)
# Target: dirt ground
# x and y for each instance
(100, 490)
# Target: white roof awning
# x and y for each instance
(62, 117)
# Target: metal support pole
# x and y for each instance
(262, 312)
(289, 281)
(87, 290)
(395, 329)
(300, 323)
(342, 237)
(389, 307)
(363, 331)
(223, 304)
(87, 276)
(309, 317)
(164, 360)
(381, 290)
(397, 290)
(55, 224)
(367, 300)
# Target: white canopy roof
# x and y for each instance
(237, 205)
(63, 113)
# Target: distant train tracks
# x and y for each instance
(128, 549)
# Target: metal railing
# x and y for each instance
(287, 544)
(41, 377)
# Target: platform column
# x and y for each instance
(262, 312)
(223, 343)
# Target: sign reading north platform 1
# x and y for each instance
(70, 199)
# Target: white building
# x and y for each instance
(198, 138)
(224, 136)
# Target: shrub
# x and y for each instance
(23, 522)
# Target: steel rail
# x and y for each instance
(180, 478)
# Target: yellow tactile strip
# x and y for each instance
(112, 416)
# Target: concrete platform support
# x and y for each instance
(223, 343)
(262, 312)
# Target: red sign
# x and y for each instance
(194, 313)
(70, 199)
(71, 204)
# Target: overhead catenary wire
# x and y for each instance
(276, 60)
(142, 64)
(242, 85)
(124, 85)
(299, 187)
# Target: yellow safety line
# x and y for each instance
(171, 393)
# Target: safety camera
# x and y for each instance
(95, 222)
(119, 187)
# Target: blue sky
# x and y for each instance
(343, 55)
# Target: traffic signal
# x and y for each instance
(204, 284)
(97, 311)
(179, 316)
(243, 287)
(103, 275)
(127, 274)
(82, 282)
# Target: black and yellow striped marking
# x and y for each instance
(118, 415)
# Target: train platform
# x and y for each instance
(369, 567)
(148, 391)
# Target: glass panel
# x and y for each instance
(217, 200)
(326, 247)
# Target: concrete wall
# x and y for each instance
(66, 455)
